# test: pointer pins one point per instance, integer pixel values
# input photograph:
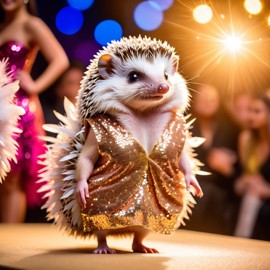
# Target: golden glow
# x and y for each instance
(233, 43)
(202, 14)
(232, 51)
(253, 6)
(268, 20)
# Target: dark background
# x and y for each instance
(196, 44)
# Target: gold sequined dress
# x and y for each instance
(129, 187)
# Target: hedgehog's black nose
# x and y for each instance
(163, 88)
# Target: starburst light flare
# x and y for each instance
(233, 43)
(231, 51)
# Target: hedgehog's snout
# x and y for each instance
(163, 88)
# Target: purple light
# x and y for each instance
(85, 51)
(148, 15)
(162, 4)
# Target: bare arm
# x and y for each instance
(85, 166)
(42, 38)
(241, 184)
(185, 166)
(243, 142)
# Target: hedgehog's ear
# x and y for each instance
(105, 66)
(175, 63)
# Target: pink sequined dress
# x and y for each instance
(30, 146)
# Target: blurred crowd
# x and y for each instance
(237, 154)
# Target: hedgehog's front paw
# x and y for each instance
(192, 180)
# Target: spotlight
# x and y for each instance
(202, 14)
(233, 43)
(253, 6)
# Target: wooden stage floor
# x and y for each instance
(42, 246)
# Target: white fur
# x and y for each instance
(117, 93)
(145, 119)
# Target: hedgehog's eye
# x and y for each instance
(134, 76)
(166, 76)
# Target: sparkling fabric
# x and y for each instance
(30, 147)
(128, 187)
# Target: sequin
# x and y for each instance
(128, 187)
(30, 147)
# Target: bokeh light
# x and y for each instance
(69, 20)
(203, 14)
(163, 4)
(85, 50)
(253, 6)
(148, 15)
(233, 43)
(108, 30)
(268, 20)
(81, 4)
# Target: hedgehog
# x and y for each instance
(123, 161)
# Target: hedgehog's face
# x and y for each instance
(143, 83)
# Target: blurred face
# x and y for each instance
(241, 109)
(10, 5)
(70, 84)
(206, 101)
(259, 114)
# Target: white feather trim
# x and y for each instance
(10, 113)
(58, 173)
(191, 143)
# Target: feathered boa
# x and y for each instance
(10, 113)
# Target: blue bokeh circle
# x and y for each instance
(69, 20)
(81, 4)
(148, 15)
(106, 31)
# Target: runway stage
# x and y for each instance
(42, 246)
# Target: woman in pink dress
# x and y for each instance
(22, 35)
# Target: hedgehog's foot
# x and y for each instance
(103, 249)
(102, 244)
(137, 245)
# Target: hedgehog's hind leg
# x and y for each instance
(102, 244)
(137, 245)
